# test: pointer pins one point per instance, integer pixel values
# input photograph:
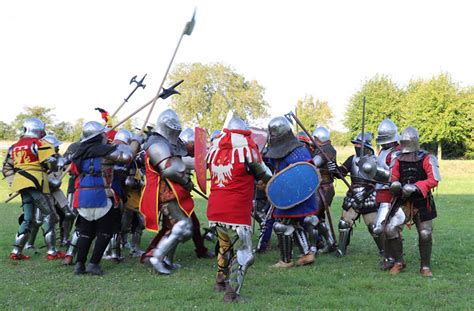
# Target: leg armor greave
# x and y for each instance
(115, 247)
(310, 223)
(301, 240)
(325, 232)
(242, 261)
(344, 232)
(72, 249)
(382, 212)
(376, 237)
(35, 226)
(20, 241)
(425, 243)
(180, 232)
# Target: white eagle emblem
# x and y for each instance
(222, 173)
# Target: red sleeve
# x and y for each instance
(395, 171)
(430, 182)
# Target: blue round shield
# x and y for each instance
(293, 185)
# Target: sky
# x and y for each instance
(74, 56)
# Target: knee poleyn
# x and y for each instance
(425, 235)
(343, 224)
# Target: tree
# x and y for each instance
(63, 131)
(6, 131)
(77, 129)
(383, 98)
(313, 113)
(438, 111)
(209, 91)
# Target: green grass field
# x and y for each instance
(352, 282)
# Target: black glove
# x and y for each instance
(409, 190)
(332, 167)
(189, 185)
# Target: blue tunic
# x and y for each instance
(308, 207)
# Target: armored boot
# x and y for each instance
(65, 230)
(323, 229)
(181, 231)
(135, 244)
(20, 241)
(425, 244)
(286, 248)
(376, 237)
(169, 260)
(310, 223)
(72, 249)
(34, 229)
(307, 257)
(396, 245)
(115, 250)
(388, 261)
(344, 238)
(30, 244)
(239, 265)
(50, 241)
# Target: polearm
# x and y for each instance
(164, 94)
(139, 84)
(188, 29)
(291, 114)
(11, 197)
(363, 128)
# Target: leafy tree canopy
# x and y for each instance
(209, 91)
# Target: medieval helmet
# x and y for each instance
(124, 136)
(187, 136)
(214, 134)
(33, 127)
(91, 129)
(321, 134)
(234, 122)
(367, 140)
(52, 140)
(387, 132)
(410, 140)
(169, 126)
(281, 141)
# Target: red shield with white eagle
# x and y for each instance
(200, 151)
(259, 136)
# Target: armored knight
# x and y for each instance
(93, 164)
(360, 199)
(132, 219)
(415, 173)
(122, 139)
(57, 200)
(234, 162)
(32, 157)
(324, 155)
(284, 149)
(387, 138)
(167, 190)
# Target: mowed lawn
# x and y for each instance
(352, 282)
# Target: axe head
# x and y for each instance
(140, 83)
(170, 91)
